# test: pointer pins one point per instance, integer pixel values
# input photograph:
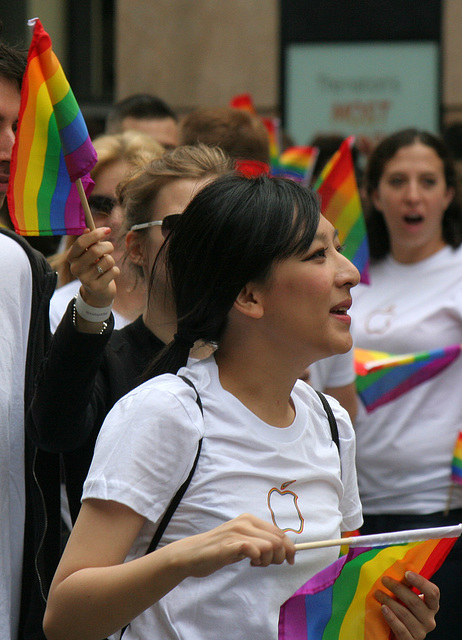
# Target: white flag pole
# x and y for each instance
(384, 539)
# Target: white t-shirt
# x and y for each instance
(405, 447)
(61, 299)
(145, 451)
(15, 308)
(335, 371)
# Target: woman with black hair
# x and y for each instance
(255, 270)
(413, 304)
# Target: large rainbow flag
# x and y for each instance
(341, 205)
(296, 163)
(338, 603)
(383, 377)
(52, 148)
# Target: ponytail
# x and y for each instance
(172, 357)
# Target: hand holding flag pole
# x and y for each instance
(85, 206)
(340, 602)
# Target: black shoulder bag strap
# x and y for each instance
(182, 490)
(331, 418)
(178, 495)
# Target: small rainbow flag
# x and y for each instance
(296, 163)
(273, 127)
(338, 603)
(383, 377)
(341, 205)
(243, 101)
(52, 148)
(456, 475)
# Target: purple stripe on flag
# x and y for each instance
(74, 162)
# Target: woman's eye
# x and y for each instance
(429, 182)
(340, 248)
(396, 181)
(321, 253)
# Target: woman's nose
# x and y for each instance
(348, 274)
(413, 190)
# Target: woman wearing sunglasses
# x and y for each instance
(90, 366)
(255, 270)
(118, 156)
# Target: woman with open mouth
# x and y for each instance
(413, 304)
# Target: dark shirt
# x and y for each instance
(81, 379)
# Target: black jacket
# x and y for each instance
(41, 470)
(81, 379)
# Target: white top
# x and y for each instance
(15, 308)
(145, 451)
(405, 447)
(61, 299)
(335, 371)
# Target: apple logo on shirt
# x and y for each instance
(284, 510)
(379, 320)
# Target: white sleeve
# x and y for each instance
(342, 370)
(350, 505)
(146, 447)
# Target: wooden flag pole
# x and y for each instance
(86, 207)
(336, 542)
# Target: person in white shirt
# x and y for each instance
(413, 304)
(255, 269)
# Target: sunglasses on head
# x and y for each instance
(166, 224)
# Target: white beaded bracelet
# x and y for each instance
(92, 314)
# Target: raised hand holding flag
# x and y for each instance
(52, 151)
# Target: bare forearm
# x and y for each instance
(93, 603)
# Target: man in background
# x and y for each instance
(242, 135)
(26, 285)
(145, 113)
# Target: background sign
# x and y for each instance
(360, 88)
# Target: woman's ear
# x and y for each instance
(449, 196)
(376, 200)
(250, 301)
(135, 248)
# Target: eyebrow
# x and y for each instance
(323, 236)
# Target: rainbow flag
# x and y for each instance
(243, 101)
(456, 475)
(338, 603)
(341, 205)
(273, 127)
(52, 149)
(383, 377)
(296, 163)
